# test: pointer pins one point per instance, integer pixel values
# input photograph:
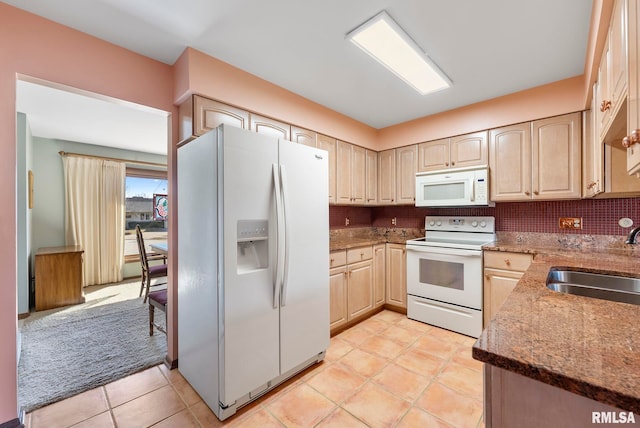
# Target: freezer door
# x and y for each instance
(197, 267)
(304, 309)
(250, 323)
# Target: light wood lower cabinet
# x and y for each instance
(379, 274)
(337, 297)
(396, 284)
(351, 285)
(359, 288)
(502, 271)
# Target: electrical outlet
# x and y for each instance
(394, 221)
(346, 221)
(570, 222)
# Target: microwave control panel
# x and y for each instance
(481, 189)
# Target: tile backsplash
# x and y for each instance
(599, 216)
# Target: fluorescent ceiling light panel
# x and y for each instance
(388, 44)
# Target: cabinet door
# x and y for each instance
(344, 172)
(303, 136)
(604, 94)
(592, 161)
(358, 174)
(406, 158)
(433, 155)
(371, 183)
(359, 288)
(329, 144)
(634, 67)
(498, 284)
(469, 150)
(396, 275)
(618, 56)
(337, 297)
(379, 274)
(510, 162)
(387, 177)
(268, 126)
(556, 157)
(209, 114)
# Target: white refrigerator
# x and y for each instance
(253, 264)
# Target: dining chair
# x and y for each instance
(157, 299)
(149, 272)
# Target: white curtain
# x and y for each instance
(94, 215)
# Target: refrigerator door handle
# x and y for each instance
(287, 235)
(279, 241)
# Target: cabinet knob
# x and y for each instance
(591, 185)
(605, 105)
(507, 262)
(526, 192)
(391, 200)
(632, 139)
(453, 163)
(446, 164)
(535, 192)
(487, 277)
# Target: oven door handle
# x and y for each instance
(448, 251)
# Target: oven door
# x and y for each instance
(445, 274)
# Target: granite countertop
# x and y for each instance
(345, 238)
(587, 346)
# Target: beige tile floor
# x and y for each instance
(387, 371)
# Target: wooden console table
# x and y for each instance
(58, 277)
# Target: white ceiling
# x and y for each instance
(73, 116)
(487, 48)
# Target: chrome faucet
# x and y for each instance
(631, 239)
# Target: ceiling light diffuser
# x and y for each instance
(383, 39)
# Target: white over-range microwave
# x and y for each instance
(453, 187)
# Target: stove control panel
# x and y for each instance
(460, 224)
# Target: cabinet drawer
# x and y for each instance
(355, 255)
(337, 258)
(507, 261)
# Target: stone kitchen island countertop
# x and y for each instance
(587, 346)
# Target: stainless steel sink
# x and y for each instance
(598, 285)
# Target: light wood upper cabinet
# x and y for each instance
(267, 126)
(556, 157)
(406, 158)
(329, 144)
(396, 275)
(433, 155)
(387, 177)
(510, 162)
(350, 174)
(303, 136)
(633, 101)
(371, 181)
(537, 160)
(469, 149)
(592, 160)
(199, 115)
(455, 152)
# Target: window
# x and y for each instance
(140, 187)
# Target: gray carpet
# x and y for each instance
(78, 349)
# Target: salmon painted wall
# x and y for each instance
(556, 98)
(216, 79)
(36, 47)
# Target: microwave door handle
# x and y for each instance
(472, 193)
